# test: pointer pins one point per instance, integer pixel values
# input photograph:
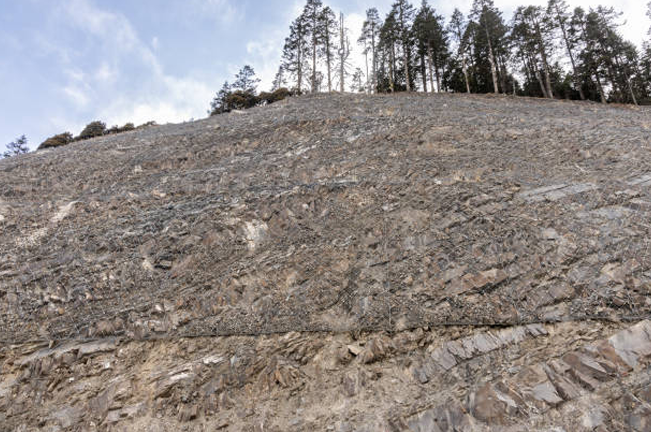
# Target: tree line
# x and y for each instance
(553, 52)
(91, 130)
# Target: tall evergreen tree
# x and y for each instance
(488, 17)
(557, 10)
(369, 36)
(388, 39)
(458, 28)
(295, 49)
(432, 44)
(404, 14)
(328, 28)
(279, 80)
(219, 104)
(246, 81)
(312, 19)
(532, 34)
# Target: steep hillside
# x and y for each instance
(342, 263)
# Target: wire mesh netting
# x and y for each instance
(332, 213)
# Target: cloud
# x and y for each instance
(106, 74)
(78, 96)
(223, 10)
(123, 81)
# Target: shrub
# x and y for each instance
(148, 124)
(116, 129)
(240, 100)
(92, 130)
(57, 141)
(275, 96)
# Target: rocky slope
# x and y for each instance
(341, 263)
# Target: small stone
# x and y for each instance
(165, 265)
(188, 413)
(354, 349)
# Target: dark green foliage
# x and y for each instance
(275, 96)
(239, 100)
(116, 129)
(17, 147)
(92, 130)
(57, 141)
(544, 52)
(245, 80)
(218, 104)
(295, 52)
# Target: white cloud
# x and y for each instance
(146, 94)
(223, 10)
(154, 43)
(77, 95)
(106, 74)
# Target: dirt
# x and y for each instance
(336, 263)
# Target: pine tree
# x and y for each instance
(328, 28)
(388, 40)
(312, 19)
(279, 80)
(17, 147)
(219, 103)
(245, 80)
(404, 15)
(358, 81)
(532, 36)
(458, 28)
(432, 44)
(294, 51)
(369, 38)
(558, 11)
(486, 15)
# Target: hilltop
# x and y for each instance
(334, 262)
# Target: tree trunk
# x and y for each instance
(431, 67)
(328, 59)
(491, 59)
(600, 87)
(405, 48)
(374, 63)
(438, 76)
(503, 74)
(464, 67)
(542, 84)
(299, 69)
(543, 55)
(392, 67)
(577, 84)
(423, 72)
(342, 54)
(627, 78)
(314, 25)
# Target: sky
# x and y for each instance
(65, 63)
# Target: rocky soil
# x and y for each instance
(335, 263)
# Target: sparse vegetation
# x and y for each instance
(92, 130)
(243, 94)
(57, 141)
(126, 128)
(17, 147)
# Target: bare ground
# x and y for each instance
(334, 263)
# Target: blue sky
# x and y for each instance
(64, 63)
